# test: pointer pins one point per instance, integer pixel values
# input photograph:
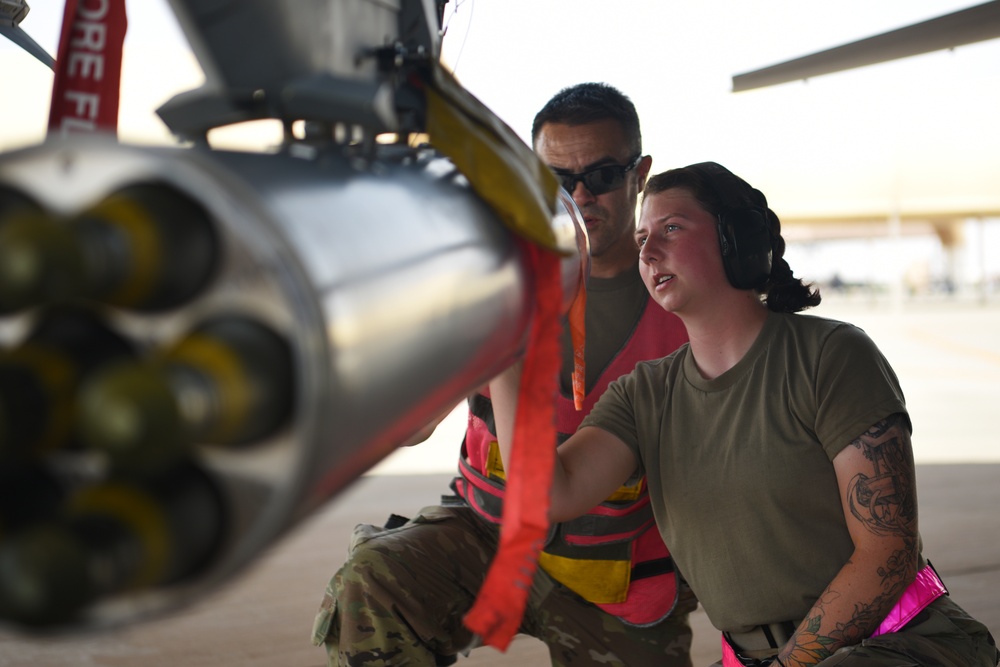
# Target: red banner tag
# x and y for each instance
(88, 68)
(501, 602)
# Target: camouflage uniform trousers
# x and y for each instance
(943, 635)
(401, 597)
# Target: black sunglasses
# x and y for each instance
(599, 180)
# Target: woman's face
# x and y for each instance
(679, 256)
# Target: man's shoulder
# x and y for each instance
(666, 329)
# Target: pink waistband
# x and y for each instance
(926, 587)
(729, 658)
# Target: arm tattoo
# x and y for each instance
(885, 501)
(811, 647)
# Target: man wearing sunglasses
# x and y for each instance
(606, 592)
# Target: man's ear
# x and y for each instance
(642, 169)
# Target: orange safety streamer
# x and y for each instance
(88, 68)
(498, 610)
(577, 331)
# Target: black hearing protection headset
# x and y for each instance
(744, 237)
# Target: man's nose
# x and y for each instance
(581, 195)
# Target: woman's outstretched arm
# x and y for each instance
(589, 466)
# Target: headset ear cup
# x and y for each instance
(746, 247)
(727, 246)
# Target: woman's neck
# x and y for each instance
(722, 336)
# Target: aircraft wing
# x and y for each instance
(975, 24)
(12, 12)
(21, 38)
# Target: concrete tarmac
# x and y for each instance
(946, 354)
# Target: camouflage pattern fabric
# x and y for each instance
(943, 635)
(401, 596)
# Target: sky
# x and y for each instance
(917, 132)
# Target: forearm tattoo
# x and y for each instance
(812, 647)
(884, 501)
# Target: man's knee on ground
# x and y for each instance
(370, 573)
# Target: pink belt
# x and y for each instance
(926, 587)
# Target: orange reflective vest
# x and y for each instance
(612, 556)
